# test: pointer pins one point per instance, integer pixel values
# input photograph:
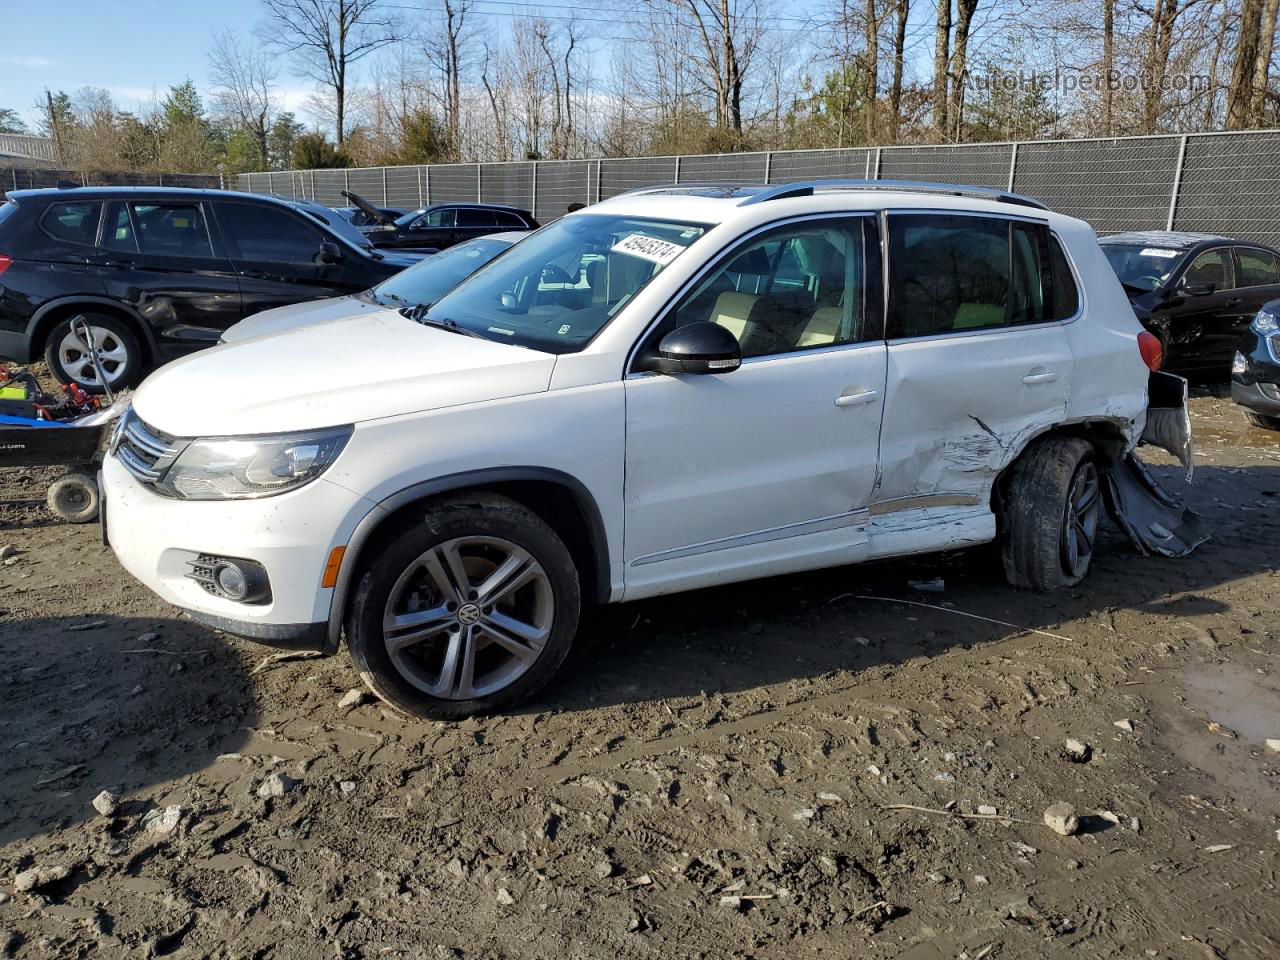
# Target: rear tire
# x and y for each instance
(1051, 514)
(1263, 421)
(119, 348)
(74, 498)
(472, 610)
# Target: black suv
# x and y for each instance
(443, 224)
(1196, 292)
(160, 272)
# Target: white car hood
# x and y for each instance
(296, 314)
(319, 375)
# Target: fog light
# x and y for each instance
(231, 581)
(243, 581)
(1240, 363)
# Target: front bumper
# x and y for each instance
(1260, 398)
(155, 538)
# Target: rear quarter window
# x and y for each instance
(72, 222)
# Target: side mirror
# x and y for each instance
(329, 253)
(1198, 289)
(700, 347)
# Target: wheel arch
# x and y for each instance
(52, 313)
(1109, 438)
(558, 498)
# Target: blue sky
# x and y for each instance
(130, 47)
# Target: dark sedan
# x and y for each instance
(1255, 373)
(1196, 292)
(444, 224)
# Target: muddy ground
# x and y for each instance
(715, 775)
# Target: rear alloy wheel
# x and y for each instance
(119, 354)
(1053, 505)
(472, 611)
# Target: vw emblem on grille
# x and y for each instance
(469, 614)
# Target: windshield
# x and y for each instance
(409, 217)
(556, 289)
(1144, 268)
(428, 281)
(337, 224)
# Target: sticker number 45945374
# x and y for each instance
(648, 248)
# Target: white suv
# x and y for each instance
(677, 387)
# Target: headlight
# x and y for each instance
(240, 468)
(1266, 321)
(1239, 363)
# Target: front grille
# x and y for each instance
(144, 451)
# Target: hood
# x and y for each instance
(367, 208)
(373, 365)
(402, 258)
(295, 315)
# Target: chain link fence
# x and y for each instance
(1226, 183)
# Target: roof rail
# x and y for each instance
(807, 188)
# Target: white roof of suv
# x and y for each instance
(744, 205)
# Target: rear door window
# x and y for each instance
(951, 274)
(73, 222)
(1257, 268)
(170, 230)
(266, 234)
(508, 219)
(476, 218)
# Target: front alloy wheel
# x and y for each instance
(468, 617)
(471, 610)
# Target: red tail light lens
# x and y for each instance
(1152, 352)
(5, 262)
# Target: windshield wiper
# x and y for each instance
(418, 314)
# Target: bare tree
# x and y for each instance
(941, 66)
(1240, 92)
(327, 37)
(871, 23)
(728, 32)
(1262, 69)
(244, 75)
(965, 10)
(902, 11)
(1108, 63)
(446, 47)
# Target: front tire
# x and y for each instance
(470, 611)
(1263, 421)
(1052, 508)
(119, 353)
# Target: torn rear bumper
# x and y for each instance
(1153, 520)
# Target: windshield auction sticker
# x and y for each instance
(1158, 252)
(648, 248)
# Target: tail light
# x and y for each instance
(5, 262)
(1152, 352)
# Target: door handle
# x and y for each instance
(856, 398)
(1233, 301)
(1047, 377)
(254, 275)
